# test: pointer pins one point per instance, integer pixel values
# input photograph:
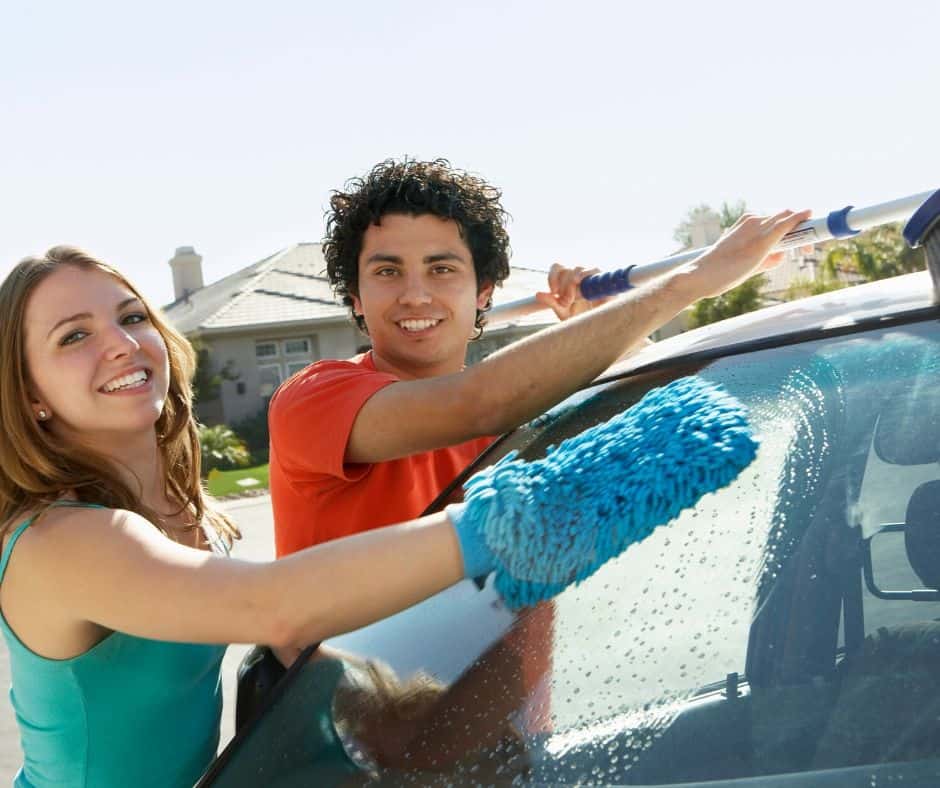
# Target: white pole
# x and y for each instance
(809, 232)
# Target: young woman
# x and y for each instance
(115, 587)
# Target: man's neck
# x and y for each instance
(405, 371)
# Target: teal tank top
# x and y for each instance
(127, 712)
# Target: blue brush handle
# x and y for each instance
(607, 284)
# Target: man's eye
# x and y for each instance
(385, 272)
(71, 339)
(443, 269)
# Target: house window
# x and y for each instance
(296, 347)
(265, 349)
(269, 377)
(295, 366)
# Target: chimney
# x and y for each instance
(705, 230)
(187, 272)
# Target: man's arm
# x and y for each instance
(526, 378)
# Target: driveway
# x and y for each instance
(253, 516)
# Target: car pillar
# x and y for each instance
(923, 229)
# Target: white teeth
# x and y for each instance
(125, 381)
(417, 325)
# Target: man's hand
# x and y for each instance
(564, 291)
(744, 250)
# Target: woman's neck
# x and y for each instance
(139, 464)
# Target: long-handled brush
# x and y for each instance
(842, 223)
(547, 524)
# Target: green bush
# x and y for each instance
(254, 431)
(222, 449)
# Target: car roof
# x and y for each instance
(838, 309)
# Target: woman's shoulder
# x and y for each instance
(38, 541)
(56, 520)
(13, 523)
(63, 542)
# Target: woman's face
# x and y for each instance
(97, 365)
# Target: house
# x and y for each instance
(258, 326)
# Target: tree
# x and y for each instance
(746, 297)
(206, 383)
(254, 430)
(727, 215)
(878, 254)
(222, 449)
(683, 232)
(207, 387)
(802, 288)
(731, 212)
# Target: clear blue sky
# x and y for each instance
(131, 129)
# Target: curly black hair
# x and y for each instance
(416, 188)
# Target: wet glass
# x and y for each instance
(748, 637)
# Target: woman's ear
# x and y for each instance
(41, 411)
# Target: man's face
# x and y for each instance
(418, 294)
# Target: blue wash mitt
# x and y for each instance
(546, 524)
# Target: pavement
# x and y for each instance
(253, 516)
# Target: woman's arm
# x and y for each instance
(114, 569)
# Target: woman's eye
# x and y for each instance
(75, 336)
(134, 317)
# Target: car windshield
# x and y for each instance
(787, 624)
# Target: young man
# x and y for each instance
(415, 249)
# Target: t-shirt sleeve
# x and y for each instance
(311, 417)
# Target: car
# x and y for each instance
(785, 631)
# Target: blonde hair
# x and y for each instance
(37, 468)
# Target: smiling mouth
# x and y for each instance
(132, 380)
(415, 326)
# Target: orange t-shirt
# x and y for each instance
(316, 496)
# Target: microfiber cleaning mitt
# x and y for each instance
(546, 524)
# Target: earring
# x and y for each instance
(43, 415)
